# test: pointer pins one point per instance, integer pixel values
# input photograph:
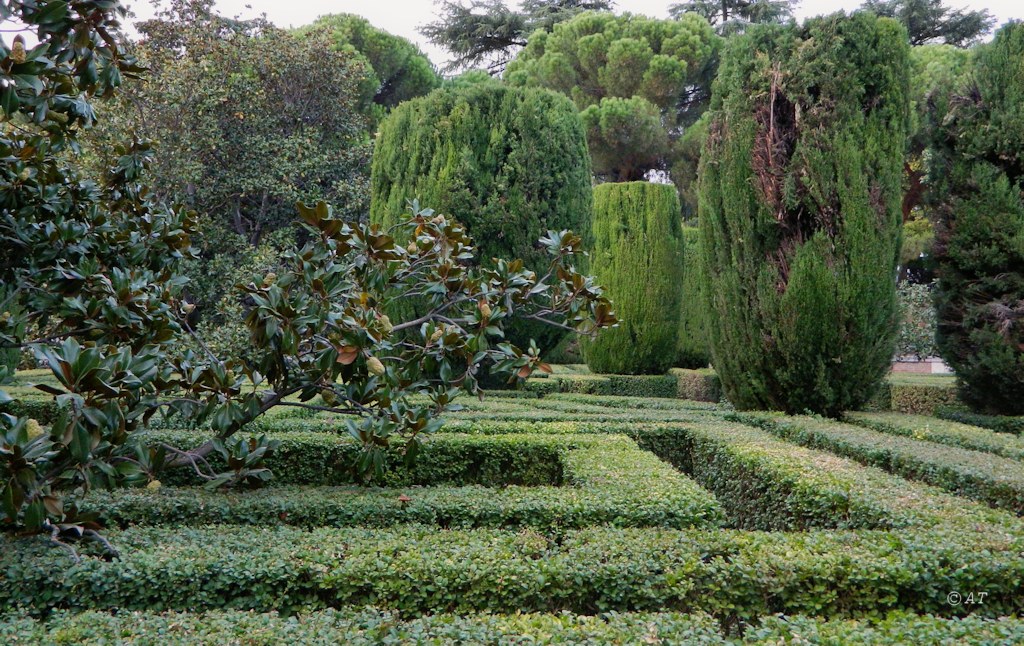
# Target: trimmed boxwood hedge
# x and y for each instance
(942, 431)
(609, 480)
(733, 575)
(371, 626)
(999, 423)
(308, 457)
(362, 627)
(989, 478)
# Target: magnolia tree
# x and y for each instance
(91, 286)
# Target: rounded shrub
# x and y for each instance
(978, 170)
(508, 163)
(638, 259)
(799, 204)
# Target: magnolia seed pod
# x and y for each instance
(154, 485)
(412, 248)
(18, 50)
(375, 367)
(385, 324)
(438, 333)
(439, 219)
(269, 279)
(33, 428)
(485, 309)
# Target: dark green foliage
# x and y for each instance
(638, 82)
(978, 169)
(508, 164)
(928, 21)
(488, 33)
(399, 70)
(692, 344)
(731, 16)
(638, 257)
(800, 211)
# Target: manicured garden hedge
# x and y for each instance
(608, 480)
(701, 385)
(365, 627)
(307, 457)
(943, 431)
(999, 423)
(732, 575)
(989, 478)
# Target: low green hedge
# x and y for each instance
(922, 398)
(998, 423)
(308, 457)
(701, 385)
(733, 575)
(989, 478)
(636, 405)
(370, 626)
(358, 628)
(589, 384)
(896, 628)
(765, 483)
(942, 431)
(609, 480)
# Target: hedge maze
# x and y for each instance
(567, 517)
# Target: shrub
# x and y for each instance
(699, 385)
(799, 198)
(916, 336)
(507, 164)
(921, 398)
(992, 479)
(638, 258)
(692, 344)
(979, 249)
(943, 432)
(1001, 424)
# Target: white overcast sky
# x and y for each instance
(403, 17)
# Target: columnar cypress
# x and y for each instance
(509, 164)
(978, 170)
(799, 204)
(692, 345)
(638, 259)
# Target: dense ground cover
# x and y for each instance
(603, 517)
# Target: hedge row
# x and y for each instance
(701, 385)
(732, 575)
(631, 385)
(371, 626)
(358, 628)
(309, 457)
(609, 481)
(998, 423)
(989, 478)
(915, 396)
(943, 431)
(765, 483)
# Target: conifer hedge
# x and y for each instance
(508, 164)
(692, 344)
(978, 168)
(638, 259)
(799, 203)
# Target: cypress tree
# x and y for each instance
(509, 164)
(692, 345)
(799, 203)
(638, 259)
(978, 170)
